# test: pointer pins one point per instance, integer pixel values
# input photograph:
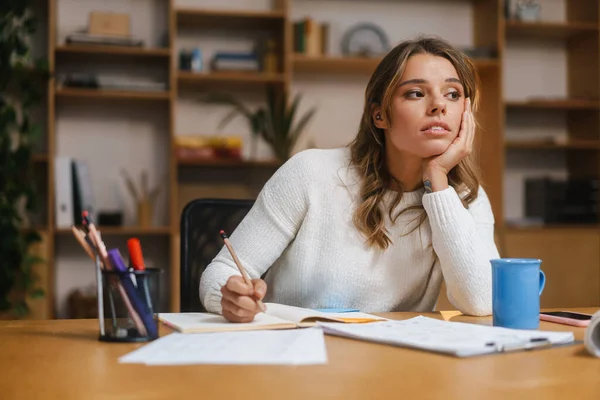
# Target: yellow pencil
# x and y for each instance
(240, 267)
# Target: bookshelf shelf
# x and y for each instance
(113, 51)
(352, 65)
(563, 104)
(549, 30)
(543, 144)
(124, 230)
(110, 94)
(329, 65)
(229, 77)
(228, 163)
(552, 227)
(229, 19)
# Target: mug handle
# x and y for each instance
(542, 281)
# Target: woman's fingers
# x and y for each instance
(260, 288)
(237, 310)
(238, 285)
(245, 302)
(472, 128)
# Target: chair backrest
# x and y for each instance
(201, 222)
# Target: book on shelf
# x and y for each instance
(233, 61)
(93, 81)
(73, 191)
(311, 37)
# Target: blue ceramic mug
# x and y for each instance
(517, 284)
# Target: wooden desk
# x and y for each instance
(63, 359)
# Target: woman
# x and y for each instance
(378, 225)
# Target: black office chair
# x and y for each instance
(201, 222)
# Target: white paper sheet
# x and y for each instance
(293, 347)
(460, 339)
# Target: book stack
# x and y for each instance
(311, 37)
(226, 61)
(84, 38)
(208, 147)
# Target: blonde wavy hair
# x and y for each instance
(368, 147)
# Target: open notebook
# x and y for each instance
(277, 316)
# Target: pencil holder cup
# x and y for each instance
(128, 305)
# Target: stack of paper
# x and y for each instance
(294, 347)
(456, 338)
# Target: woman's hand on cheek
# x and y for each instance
(436, 169)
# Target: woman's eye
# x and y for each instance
(454, 95)
(414, 94)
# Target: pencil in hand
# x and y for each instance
(240, 267)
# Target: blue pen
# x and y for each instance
(117, 262)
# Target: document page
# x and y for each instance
(457, 338)
(293, 347)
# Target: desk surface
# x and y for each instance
(63, 359)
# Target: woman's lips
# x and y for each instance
(435, 131)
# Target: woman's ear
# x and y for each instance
(378, 118)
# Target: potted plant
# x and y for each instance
(21, 82)
(275, 122)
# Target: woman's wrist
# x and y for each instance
(434, 180)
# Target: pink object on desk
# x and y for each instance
(566, 318)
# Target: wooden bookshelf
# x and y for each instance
(251, 78)
(200, 162)
(556, 104)
(228, 19)
(78, 93)
(549, 30)
(141, 52)
(544, 144)
(124, 230)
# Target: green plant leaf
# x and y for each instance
(42, 65)
(8, 116)
(297, 130)
(292, 112)
(4, 304)
(30, 24)
(238, 107)
(21, 309)
(32, 236)
(228, 118)
(21, 47)
(37, 293)
(31, 260)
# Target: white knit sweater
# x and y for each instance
(300, 232)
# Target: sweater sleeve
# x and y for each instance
(463, 240)
(265, 232)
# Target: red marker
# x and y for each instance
(135, 254)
